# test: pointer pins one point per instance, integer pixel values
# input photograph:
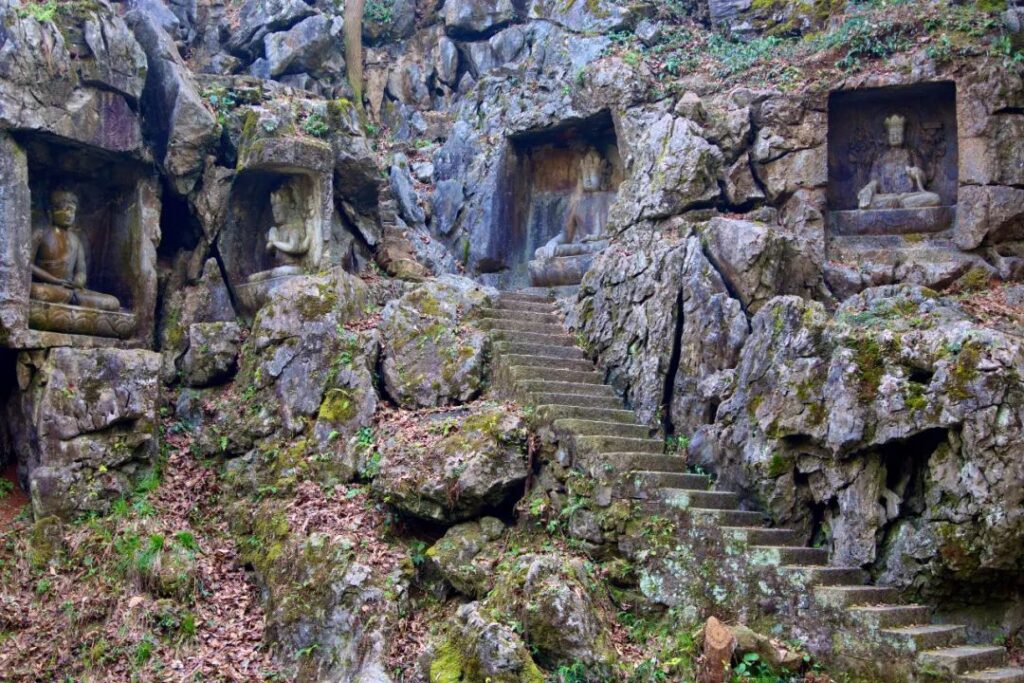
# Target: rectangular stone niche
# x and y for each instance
(857, 140)
(542, 172)
(117, 224)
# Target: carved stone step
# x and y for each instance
(605, 403)
(927, 636)
(677, 480)
(525, 297)
(725, 517)
(776, 555)
(625, 461)
(1000, 675)
(556, 339)
(812, 575)
(522, 316)
(526, 349)
(567, 411)
(695, 498)
(580, 427)
(890, 616)
(544, 386)
(618, 444)
(962, 658)
(555, 375)
(515, 360)
(848, 596)
(763, 535)
(519, 305)
(519, 326)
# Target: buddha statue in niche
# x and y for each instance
(289, 239)
(897, 180)
(591, 179)
(59, 264)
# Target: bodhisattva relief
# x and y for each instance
(59, 260)
(897, 180)
(289, 239)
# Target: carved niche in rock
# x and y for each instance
(277, 224)
(556, 189)
(78, 232)
(892, 156)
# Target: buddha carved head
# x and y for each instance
(286, 204)
(63, 207)
(896, 125)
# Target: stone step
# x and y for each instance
(619, 444)
(521, 316)
(582, 401)
(962, 658)
(762, 535)
(926, 636)
(536, 387)
(520, 372)
(1000, 675)
(531, 306)
(777, 555)
(840, 597)
(814, 575)
(625, 461)
(518, 326)
(721, 518)
(526, 349)
(517, 361)
(675, 480)
(525, 297)
(581, 427)
(696, 498)
(890, 616)
(560, 411)
(557, 339)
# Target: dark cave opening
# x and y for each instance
(179, 228)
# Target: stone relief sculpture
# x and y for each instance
(592, 172)
(59, 261)
(289, 239)
(897, 179)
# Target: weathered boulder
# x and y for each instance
(185, 129)
(988, 215)
(404, 192)
(85, 424)
(303, 47)
(477, 18)
(481, 649)
(454, 469)
(455, 553)
(600, 16)
(212, 355)
(257, 18)
(674, 169)
(432, 355)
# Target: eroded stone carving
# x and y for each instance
(289, 239)
(897, 179)
(60, 300)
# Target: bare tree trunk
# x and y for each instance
(354, 48)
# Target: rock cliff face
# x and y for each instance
(310, 273)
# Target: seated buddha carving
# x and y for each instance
(897, 180)
(591, 179)
(59, 260)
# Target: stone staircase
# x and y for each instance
(544, 368)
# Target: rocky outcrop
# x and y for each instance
(882, 418)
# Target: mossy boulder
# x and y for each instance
(481, 649)
(433, 356)
(457, 555)
(454, 467)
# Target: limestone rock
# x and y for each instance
(455, 552)
(86, 422)
(476, 18)
(601, 16)
(189, 130)
(212, 353)
(303, 47)
(432, 356)
(403, 190)
(989, 215)
(474, 468)
(482, 649)
(257, 18)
